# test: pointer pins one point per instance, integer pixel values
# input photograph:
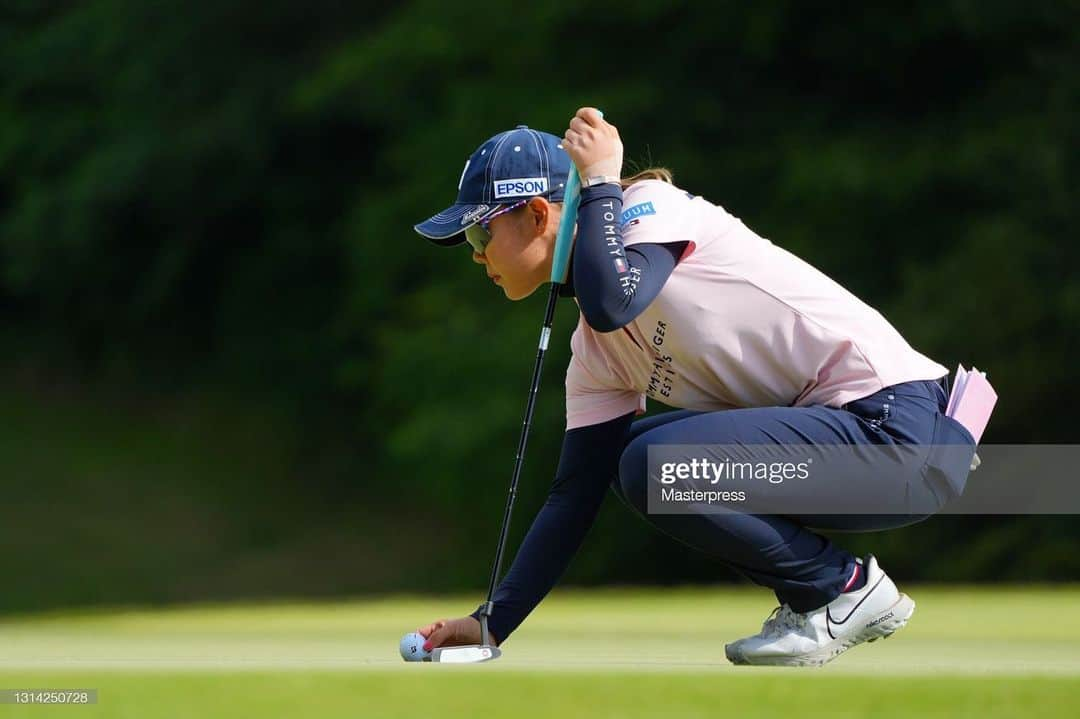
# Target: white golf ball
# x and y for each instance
(412, 647)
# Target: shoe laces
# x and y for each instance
(782, 620)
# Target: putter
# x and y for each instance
(560, 264)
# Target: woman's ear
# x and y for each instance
(539, 215)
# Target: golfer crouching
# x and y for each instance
(682, 303)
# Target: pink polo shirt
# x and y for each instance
(740, 323)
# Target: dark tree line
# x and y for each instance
(214, 200)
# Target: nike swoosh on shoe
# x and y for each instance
(829, 621)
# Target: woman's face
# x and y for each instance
(518, 256)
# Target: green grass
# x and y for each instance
(985, 652)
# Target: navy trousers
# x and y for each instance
(784, 553)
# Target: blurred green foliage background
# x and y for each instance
(230, 368)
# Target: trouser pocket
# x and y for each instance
(949, 460)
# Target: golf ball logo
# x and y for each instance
(412, 647)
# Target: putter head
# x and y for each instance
(470, 654)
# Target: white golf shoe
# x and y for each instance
(788, 638)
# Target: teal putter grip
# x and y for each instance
(564, 238)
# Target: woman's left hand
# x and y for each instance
(453, 633)
(593, 144)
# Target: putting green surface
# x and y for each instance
(984, 652)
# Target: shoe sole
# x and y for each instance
(880, 626)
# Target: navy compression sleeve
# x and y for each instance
(587, 466)
(615, 283)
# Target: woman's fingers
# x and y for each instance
(589, 127)
(440, 636)
(453, 632)
(580, 126)
(430, 628)
(593, 144)
(589, 115)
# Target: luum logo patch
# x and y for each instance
(637, 211)
(520, 186)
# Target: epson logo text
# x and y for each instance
(520, 186)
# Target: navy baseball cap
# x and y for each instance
(511, 166)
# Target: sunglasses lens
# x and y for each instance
(477, 237)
